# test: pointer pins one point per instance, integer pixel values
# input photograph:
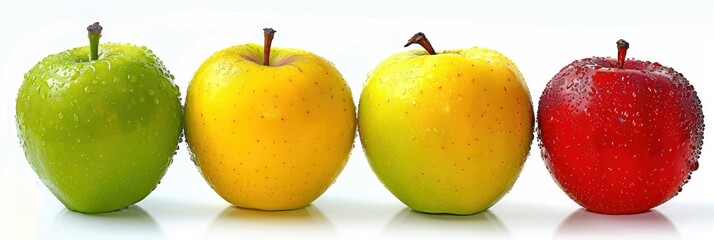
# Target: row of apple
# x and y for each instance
(270, 129)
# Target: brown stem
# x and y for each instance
(268, 34)
(622, 47)
(94, 33)
(421, 39)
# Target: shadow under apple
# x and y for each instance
(409, 224)
(304, 223)
(583, 224)
(129, 223)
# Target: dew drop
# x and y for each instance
(695, 166)
(156, 101)
(76, 118)
(151, 92)
(60, 115)
(109, 65)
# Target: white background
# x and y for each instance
(539, 36)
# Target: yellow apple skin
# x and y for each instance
(446, 133)
(269, 137)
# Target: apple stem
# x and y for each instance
(622, 47)
(268, 34)
(95, 32)
(420, 38)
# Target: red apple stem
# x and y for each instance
(268, 34)
(622, 47)
(420, 38)
(94, 33)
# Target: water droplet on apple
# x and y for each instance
(151, 92)
(60, 115)
(78, 140)
(109, 65)
(76, 118)
(156, 101)
(694, 166)
(88, 89)
(92, 68)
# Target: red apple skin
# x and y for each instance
(620, 141)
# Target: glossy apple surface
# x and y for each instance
(620, 137)
(101, 132)
(446, 132)
(269, 135)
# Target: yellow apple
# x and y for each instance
(269, 135)
(446, 132)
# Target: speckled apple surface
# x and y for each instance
(446, 133)
(269, 137)
(99, 133)
(620, 140)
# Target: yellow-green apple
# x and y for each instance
(446, 132)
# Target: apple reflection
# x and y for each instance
(129, 223)
(408, 224)
(304, 223)
(583, 224)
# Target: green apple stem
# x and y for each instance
(622, 47)
(420, 38)
(95, 32)
(268, 34)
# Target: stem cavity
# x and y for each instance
(268, 34)
(94, 33)
(622, 47)
(420, 38)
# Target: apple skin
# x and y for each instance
(269, 137)
(99, 134)
(446, 133)
(620, 141)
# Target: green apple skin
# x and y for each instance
(446, 133)
(100, 134)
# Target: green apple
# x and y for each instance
(269, 129)
(446, 132)
(99, 124)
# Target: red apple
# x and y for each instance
(620, 136)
